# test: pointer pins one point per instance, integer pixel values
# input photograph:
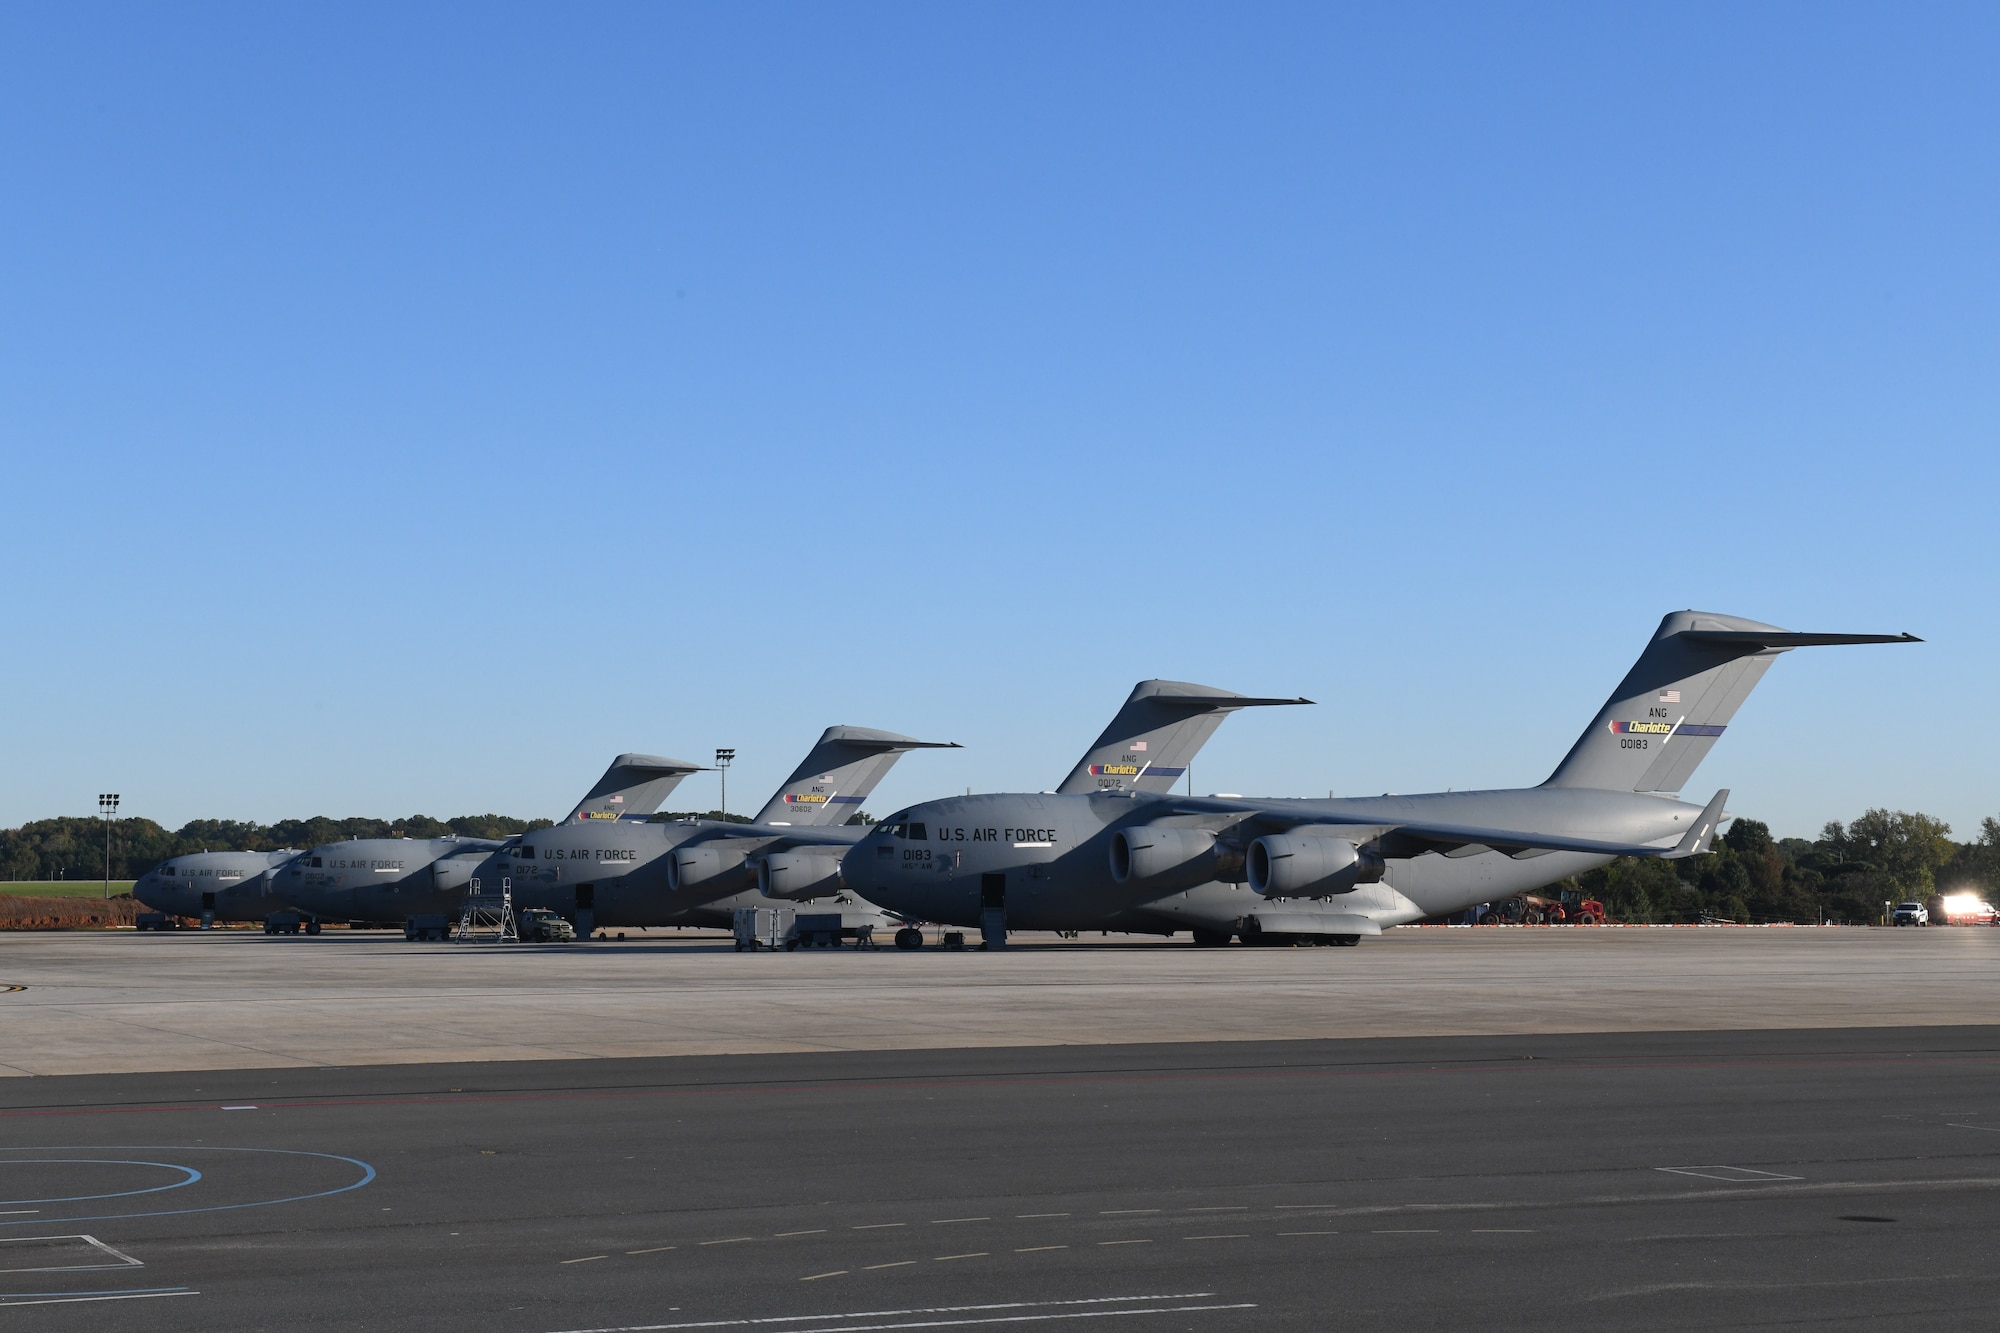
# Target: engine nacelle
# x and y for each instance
(1149, 853)
(1302, 865)
(799, 875)
(707, 866)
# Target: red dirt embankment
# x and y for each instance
(66, 913)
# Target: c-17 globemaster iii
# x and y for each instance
(390, 879)
(601, 875)
(1336, 870)
(215, 886)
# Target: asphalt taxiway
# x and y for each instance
(1839, 1177)
(100, 1002)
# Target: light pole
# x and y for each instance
(107, 806)
(723, 759)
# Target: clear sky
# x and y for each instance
(405, 408)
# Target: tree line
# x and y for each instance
(73, 847)
(1845, 874)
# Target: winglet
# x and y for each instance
(1696, 840)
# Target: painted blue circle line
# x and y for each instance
(192, 1176)
(367, 1177)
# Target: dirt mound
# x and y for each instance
(66, 913)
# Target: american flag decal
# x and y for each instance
(1138, 745)
(1670, 696)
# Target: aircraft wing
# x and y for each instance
(1412, 838)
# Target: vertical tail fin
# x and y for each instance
(635, 784)
(1148, 746)
(1678, 698)
(833, 781)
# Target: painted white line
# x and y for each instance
(1731, 1173)
(1025, 1216)
(1308, 1233)
(878, 1226)
(1037, 1249)
(1230, 1235)
(1124, 1242)
(838, 1272)
(93, 1251)
(1990, 1129)
(900, 1263)
(1124, 1212)
(976, 1254)
(1023, 1318)
(1223, 1208)
(114, 1296)
(890, 1314)
(1503, 1231)
(733, 1240)
(18, 1212)
(239, 1108)
(657, 1249)
(588, 1258)
(942, 1221)
(816, 1231)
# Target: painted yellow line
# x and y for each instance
(586, 1259)
(838, 1272)
(976, 1254)
(657, 1249)
(900, 1263)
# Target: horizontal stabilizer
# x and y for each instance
(635, 784)
(1678, 699)
(1154, 737)
(843, 767)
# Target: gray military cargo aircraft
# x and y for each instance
(215, 886)
(1335, 870)
(615, 874)
(389, 879)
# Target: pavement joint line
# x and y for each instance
(987, 1308)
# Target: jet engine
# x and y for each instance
(707, 866)
(1149, 854)
(799, 875)
(1301, 864)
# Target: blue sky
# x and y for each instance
(405, 408)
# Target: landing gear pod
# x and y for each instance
(1302, 865)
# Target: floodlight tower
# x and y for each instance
(723, 759)
(107, 806)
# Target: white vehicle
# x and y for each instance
(1910, 914)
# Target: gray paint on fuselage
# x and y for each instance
(376, 879)
(237, 884)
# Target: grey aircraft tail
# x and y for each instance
(1149, 744)
(836, 777)
(1675, 702)
(635, 784)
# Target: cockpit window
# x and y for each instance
(918, 833)
(896, 830)
(166, 870)
(316, 864)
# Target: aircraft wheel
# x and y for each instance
(312, 927)
(1347, 941)
(909, 937)
(1205, 938)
